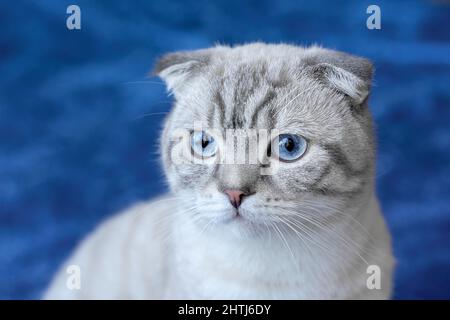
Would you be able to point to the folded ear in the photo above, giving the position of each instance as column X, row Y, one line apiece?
column 177, row 68
column 348, row 74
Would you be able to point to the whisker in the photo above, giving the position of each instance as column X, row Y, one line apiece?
column 150, row 114
column 287, row 245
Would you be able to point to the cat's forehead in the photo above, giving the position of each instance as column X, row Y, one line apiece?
column 253, row 94
column 247, row 93
column 265, row 86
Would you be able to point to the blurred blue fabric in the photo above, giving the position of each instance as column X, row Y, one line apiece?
column 79, row 120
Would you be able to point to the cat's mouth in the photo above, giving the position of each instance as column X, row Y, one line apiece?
column 236, row 215
column 239, row 216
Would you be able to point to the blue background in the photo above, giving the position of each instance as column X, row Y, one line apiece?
column 79, row 120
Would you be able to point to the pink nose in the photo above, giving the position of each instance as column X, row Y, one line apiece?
column 235, row 197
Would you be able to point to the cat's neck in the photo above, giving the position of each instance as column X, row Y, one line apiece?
column 344, row 242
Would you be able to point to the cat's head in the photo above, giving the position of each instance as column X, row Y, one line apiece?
column 300, row 112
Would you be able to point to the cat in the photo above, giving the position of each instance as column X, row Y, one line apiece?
column 300, row 222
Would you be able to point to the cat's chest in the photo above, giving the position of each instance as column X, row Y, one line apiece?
column 205, row 285
column 215, row 268
column 203, row 278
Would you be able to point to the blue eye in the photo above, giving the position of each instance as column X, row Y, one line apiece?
column 291, row 147
column 202, row 144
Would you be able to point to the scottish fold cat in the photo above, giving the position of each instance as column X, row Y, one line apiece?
column 269, row 153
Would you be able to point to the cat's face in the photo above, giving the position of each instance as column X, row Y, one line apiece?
column 266, row 135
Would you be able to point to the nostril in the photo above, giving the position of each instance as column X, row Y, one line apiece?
column 235, row 197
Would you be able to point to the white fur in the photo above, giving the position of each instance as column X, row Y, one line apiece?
column 144, row 253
